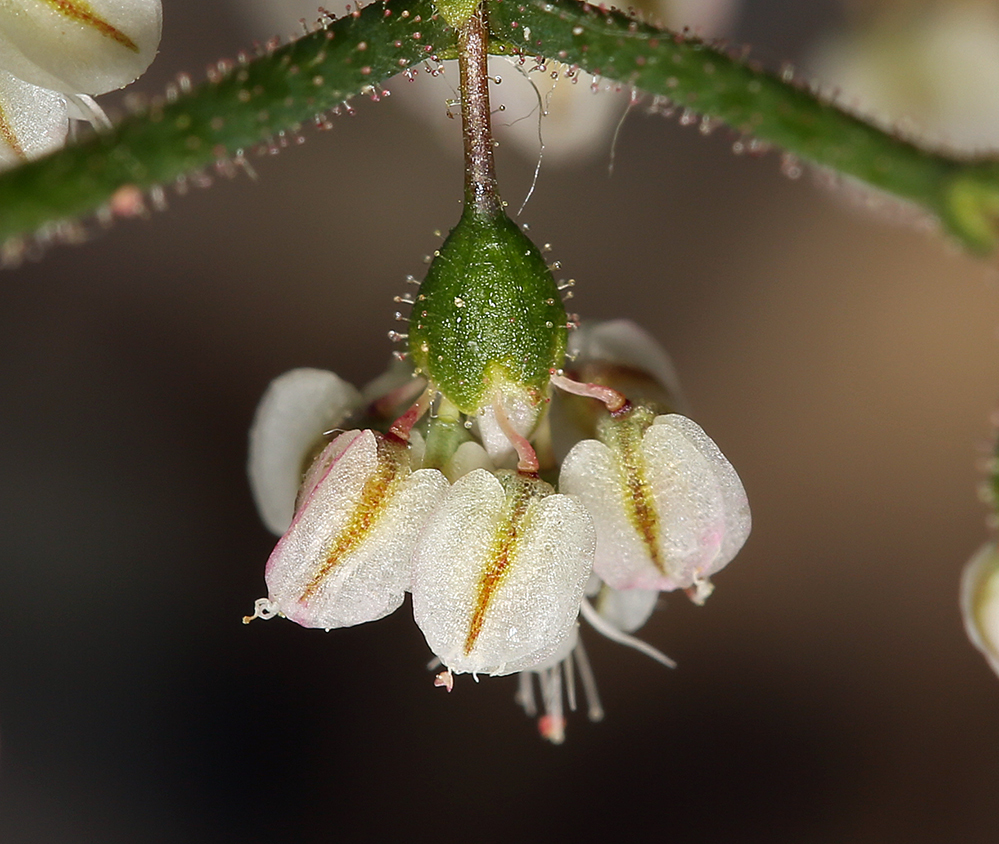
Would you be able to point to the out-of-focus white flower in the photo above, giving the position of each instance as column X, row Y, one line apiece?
column 576, row 123
column 54, row 54
column 928, row 67
column 980, row 602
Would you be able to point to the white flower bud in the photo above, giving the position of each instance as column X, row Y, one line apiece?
column 499, row 573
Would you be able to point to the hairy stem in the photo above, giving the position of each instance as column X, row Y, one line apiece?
column 962, row 192
column 481, row 192
column 252, row 103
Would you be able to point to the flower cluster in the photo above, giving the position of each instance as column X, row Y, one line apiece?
column 460, row 509
column 54, row 54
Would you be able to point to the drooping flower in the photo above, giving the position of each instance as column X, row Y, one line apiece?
column 346, row 557
column 55, row 55
column 499, row 573
column 670, row 510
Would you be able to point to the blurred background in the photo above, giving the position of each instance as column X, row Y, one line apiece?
column 845, row 363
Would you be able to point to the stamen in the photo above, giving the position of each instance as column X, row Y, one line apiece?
column 615, row 402
column 262, row 608
column 594, row 709
column 404, row 424
column 527, row 462
column 611, row 632
column 445, row 679
column 551, row 725
column 525, row 694
column 570, row 682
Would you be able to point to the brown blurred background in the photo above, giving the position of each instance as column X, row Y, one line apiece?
column 845, row 364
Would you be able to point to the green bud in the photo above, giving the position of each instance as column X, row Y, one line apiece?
column 488, row 314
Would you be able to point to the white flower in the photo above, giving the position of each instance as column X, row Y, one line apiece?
column 499, row 573
column 500, row 565
column 55, row 53
column 346, row 557
column 980, row 602
column 668, row 507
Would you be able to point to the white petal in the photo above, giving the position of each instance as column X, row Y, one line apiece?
column 33, row 120
column 980, row 602
column 497, row 579
column 346, row 558
column 79, row 46
column 711, row 492
column 468, row 456
column 523, row 411
column 683, row 522
column 591, row 473
column 295, row 411
column 624, row 343
column 626, row 609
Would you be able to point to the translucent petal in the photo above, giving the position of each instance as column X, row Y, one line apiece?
column 468, row 456
column 624, row 343
column 79, row 46
column 980, row 602
column 346, row 558
column 295, row 411
column 522, row 412
column 499, row 574
column 626, row 609
column 33, row 120
column 698, row 518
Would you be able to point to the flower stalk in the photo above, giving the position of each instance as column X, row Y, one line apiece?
column 481, row 192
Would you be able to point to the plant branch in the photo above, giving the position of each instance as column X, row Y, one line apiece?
column 255, row 102
column 962, row 192
column 248, row 105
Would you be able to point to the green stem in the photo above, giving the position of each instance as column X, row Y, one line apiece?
column 253, row 103
column 256, row 101
column 963, row 193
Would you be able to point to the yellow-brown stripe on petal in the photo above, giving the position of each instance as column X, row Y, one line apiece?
column 82, row 12
column 393, row 468
column 9, row 136
column 502, row 553
column 624, row 438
